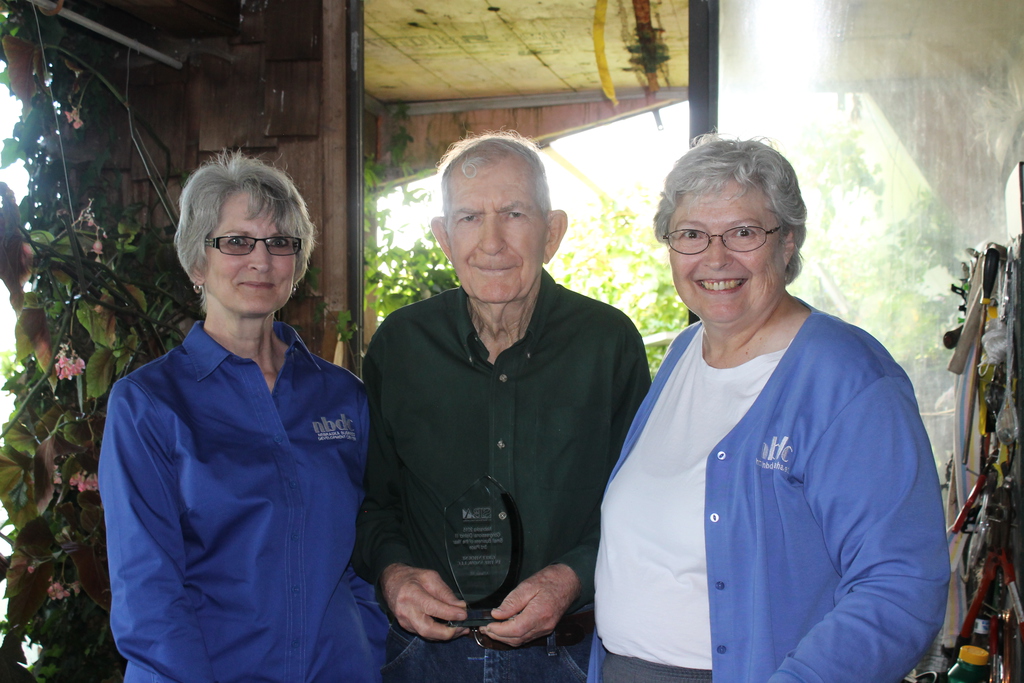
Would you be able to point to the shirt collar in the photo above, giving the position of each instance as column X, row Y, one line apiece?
column 207, row 355
column 468, row 333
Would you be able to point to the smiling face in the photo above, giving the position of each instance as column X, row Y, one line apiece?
column 253, row 286
column 731, row 291
column 496, row 237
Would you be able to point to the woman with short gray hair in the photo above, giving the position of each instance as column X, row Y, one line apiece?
column 775, row 512
column 231, row 467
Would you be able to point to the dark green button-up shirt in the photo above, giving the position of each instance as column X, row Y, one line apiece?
column 547, row 420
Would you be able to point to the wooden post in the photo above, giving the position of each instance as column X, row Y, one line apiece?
column 334, row 233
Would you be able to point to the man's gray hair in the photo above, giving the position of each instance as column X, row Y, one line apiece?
column 271, row 194
column 714, row 162
column 472, row 153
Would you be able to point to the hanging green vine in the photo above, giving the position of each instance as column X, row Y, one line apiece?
column 105, row 294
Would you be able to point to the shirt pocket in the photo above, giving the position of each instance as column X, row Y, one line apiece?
column 573, row 445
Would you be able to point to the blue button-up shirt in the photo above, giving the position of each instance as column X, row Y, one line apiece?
column 230, row 513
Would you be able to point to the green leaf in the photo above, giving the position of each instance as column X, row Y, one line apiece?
column 14, row 469
column 99, row 323
column 138, row 295
column 42, row 472
column 32, row 335
column 92, row 571
column 20, row 439
column 99, row 372
column 12, row 151
column 31, row 572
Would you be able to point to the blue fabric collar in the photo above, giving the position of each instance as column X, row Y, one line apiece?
column 206, row 354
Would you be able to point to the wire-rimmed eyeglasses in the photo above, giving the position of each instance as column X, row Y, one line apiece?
column 741, row 239
column 237, row 245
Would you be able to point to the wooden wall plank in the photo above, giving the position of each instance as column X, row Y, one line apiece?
column 186, row 18
column 293, row 98
column 232, row 101
column 296, row 29
column 301, row 158
column 162, row 107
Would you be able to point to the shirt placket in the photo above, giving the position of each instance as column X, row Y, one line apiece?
column 502, row 392
column 267, row 414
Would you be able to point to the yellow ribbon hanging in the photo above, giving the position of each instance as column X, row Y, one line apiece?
column 600, row 11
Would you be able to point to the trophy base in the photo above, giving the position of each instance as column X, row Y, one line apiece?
column 474, row 617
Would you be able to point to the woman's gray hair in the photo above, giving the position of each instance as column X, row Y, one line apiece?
column 714, row 162
column 271, row 194
column 472, row 153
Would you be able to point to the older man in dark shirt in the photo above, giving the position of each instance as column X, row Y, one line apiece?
column 510, row 376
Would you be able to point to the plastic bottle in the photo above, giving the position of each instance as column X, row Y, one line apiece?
column 981, row 630
column 971, row 667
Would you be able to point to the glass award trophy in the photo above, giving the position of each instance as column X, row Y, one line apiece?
column 483, row 537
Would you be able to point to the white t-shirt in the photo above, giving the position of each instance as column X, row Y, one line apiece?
column 651, row 580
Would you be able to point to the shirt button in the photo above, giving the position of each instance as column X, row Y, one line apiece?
column 721, row 649
column 721, row 455
column 714, row 516
column 278, row 438
column 292, row 483
column 295, row 536
column 503, row 377
column 501, row 444
column 719, row 585
column 295, row 589
column 295, row 643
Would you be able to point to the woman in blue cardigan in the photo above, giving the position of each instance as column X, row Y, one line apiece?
column 775, row 515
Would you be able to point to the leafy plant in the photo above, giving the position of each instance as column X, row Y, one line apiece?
column 612, row 256
column 105, row 295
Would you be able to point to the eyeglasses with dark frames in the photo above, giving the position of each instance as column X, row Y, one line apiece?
column 237, row 245
column 740, row 239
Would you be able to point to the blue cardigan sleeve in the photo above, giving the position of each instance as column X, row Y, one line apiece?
column 151, row 616
column 873, row 488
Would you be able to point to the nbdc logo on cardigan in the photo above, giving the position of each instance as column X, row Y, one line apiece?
column 776, row 456
column 327, row 430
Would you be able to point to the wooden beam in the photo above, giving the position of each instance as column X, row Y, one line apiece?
column 333, row 237
column 432, row 134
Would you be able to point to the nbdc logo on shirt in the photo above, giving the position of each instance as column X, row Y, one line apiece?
column 328, row 430
column 776, row 456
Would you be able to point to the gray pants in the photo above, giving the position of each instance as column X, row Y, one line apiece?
column 619, row 669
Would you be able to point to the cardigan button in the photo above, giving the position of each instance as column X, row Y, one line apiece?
column 721, row 455
column 714, row 517
column 721, row 649
column 720, row 585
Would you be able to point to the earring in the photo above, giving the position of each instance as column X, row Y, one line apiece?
column 295, row 288
column 198, row 289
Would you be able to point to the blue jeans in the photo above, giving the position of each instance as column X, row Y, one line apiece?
column 410, row 659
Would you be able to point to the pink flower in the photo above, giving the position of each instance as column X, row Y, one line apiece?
column 68, row 363
column 67, row 368
column 84, row 482
column 97, row 247
column 58, row 592
column 74, row 118
column 31, row 569
column 57, row 480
